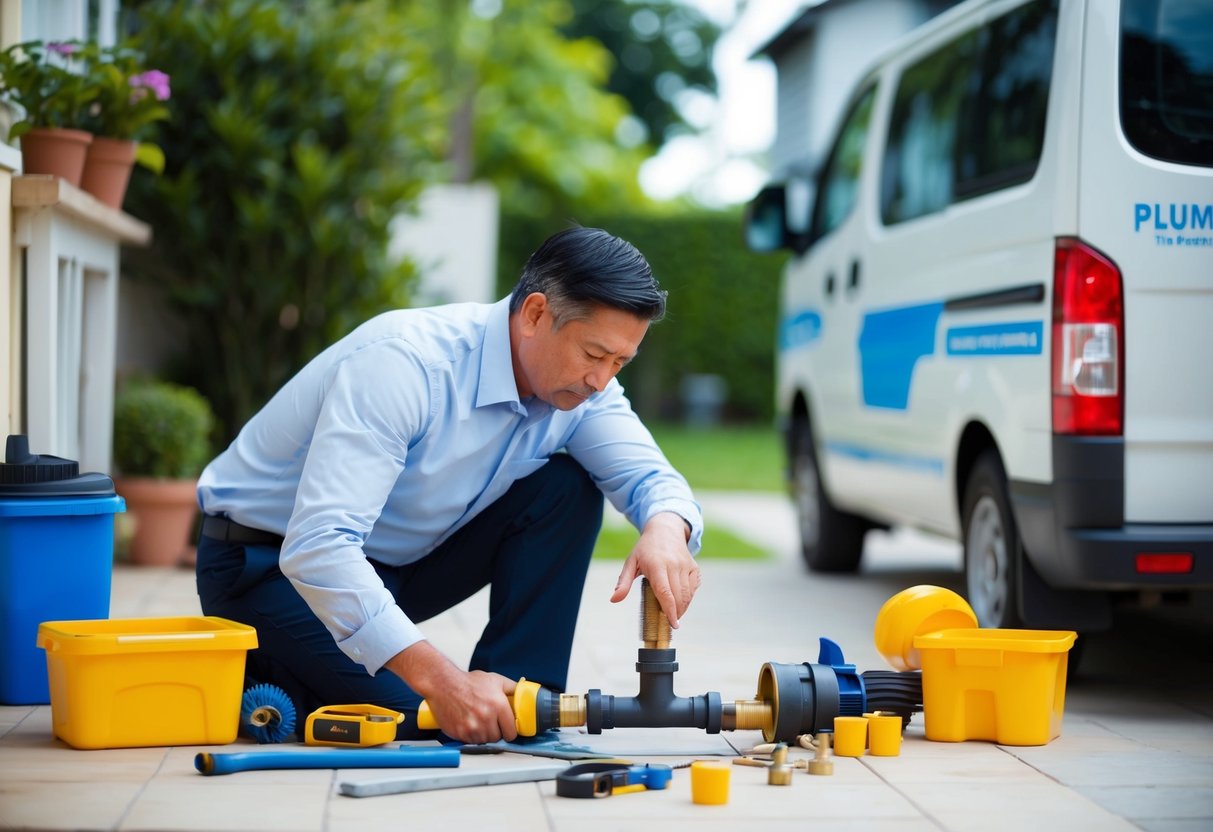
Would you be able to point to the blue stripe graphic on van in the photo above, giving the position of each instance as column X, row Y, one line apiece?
column 1017, row 338
column 866, row 454
column 890, row 344
column 799, row 329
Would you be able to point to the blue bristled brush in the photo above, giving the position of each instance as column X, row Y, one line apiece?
column 267, row 714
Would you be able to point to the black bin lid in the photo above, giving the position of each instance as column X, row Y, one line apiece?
column 23, row 474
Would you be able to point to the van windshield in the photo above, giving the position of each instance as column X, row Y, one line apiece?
column 1166, row 79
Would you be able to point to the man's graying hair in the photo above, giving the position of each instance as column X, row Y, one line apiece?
column 579, row 269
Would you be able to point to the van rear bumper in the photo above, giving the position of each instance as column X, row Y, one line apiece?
column 1074, row 532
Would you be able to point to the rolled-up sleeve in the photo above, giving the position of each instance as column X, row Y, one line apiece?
column 620, row 454
column 358, row 451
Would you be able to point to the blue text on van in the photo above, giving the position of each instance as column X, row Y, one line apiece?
column 1174, row 216
column 1020, row 338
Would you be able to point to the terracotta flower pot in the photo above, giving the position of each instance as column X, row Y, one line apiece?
column 164, row 513
column 57, row 151
column 107, row 169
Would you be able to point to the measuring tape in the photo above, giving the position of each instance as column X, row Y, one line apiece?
column 351, row 725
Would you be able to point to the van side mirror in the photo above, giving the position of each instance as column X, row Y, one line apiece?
column 778, row 217
column 766, row 227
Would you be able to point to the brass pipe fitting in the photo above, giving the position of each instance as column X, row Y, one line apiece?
column 654, row 626
column 748, row 715
column 821, row 763
column 572, row 710
column 780, row 773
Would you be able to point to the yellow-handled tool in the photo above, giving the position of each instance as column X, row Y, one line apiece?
column 351, row 725
column 524, row 704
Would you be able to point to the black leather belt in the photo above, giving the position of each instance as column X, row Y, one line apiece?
column 229, row 531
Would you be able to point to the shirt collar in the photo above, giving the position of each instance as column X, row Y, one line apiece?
column 497, row 383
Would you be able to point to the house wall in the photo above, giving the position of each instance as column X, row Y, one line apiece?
column 67, row 20
column 817, row 73
column 60, row 271
column 10, row 308
column 453, row 240
column 10, row 299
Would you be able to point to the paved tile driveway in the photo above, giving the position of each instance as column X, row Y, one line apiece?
column 1136, row 749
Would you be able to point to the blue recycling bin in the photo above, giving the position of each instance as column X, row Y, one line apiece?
column 56, row 559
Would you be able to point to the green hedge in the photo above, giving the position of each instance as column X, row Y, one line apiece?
column 722, row 311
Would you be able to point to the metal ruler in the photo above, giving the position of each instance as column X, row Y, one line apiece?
column 453, row 780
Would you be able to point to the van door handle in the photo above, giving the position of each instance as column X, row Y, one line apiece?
column 830, row 285
column 853, row 279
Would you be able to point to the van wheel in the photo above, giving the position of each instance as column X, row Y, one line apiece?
column 830, row 540
column 991, row 545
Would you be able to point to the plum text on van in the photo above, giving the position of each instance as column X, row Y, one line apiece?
column 1177, row 217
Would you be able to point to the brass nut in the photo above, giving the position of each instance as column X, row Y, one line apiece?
column 779, row 776
column 821, row 766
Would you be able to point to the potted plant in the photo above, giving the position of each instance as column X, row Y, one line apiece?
column 129, row 99
column 161, row 444
column 50, row 86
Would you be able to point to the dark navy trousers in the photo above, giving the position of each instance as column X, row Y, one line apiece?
column 532, row 547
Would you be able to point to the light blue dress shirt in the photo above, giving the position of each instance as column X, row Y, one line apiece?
column 396, row 436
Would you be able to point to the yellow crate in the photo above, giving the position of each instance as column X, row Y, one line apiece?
column 120, row 683
column 1008, row 686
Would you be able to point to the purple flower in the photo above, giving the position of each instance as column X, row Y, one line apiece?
column 62, row 48
column 154, row 80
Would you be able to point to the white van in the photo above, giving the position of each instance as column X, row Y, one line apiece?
column 998, row 322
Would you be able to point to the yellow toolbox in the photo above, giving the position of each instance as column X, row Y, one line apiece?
column 120, row 683
column 1008, row 686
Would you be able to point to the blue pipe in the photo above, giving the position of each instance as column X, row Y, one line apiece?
column 403, row 757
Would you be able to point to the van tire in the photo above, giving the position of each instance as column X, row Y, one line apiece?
column 992, row 549
column 830, row 540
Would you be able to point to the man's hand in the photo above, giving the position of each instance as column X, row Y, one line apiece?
column 662, row 556
column 472, row 707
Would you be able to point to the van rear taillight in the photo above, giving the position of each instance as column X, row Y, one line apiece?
column 1164, row 563
column 1088, row 342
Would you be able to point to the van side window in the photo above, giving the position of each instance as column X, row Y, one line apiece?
column 916, row 176
column 969, row 118
column 839, row 182
column 1166, row 79
column 1002, row 136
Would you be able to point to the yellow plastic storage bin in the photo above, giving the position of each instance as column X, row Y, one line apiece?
column 1008, row 686
column 120, row 683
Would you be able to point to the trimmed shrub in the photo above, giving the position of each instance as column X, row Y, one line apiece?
column 161, row 430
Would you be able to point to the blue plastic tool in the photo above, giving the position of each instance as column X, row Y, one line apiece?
column 606, row 779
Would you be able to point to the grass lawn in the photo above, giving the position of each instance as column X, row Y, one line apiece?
column 727, row 458
column 616, row 542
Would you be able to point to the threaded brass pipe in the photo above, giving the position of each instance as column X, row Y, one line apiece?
column 572, row 710
column 654, row 626
column 748, row 715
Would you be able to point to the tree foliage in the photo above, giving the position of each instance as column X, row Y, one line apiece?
column 297, row 133
column 662, row 50
column 299, row 130
column 532, row 113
